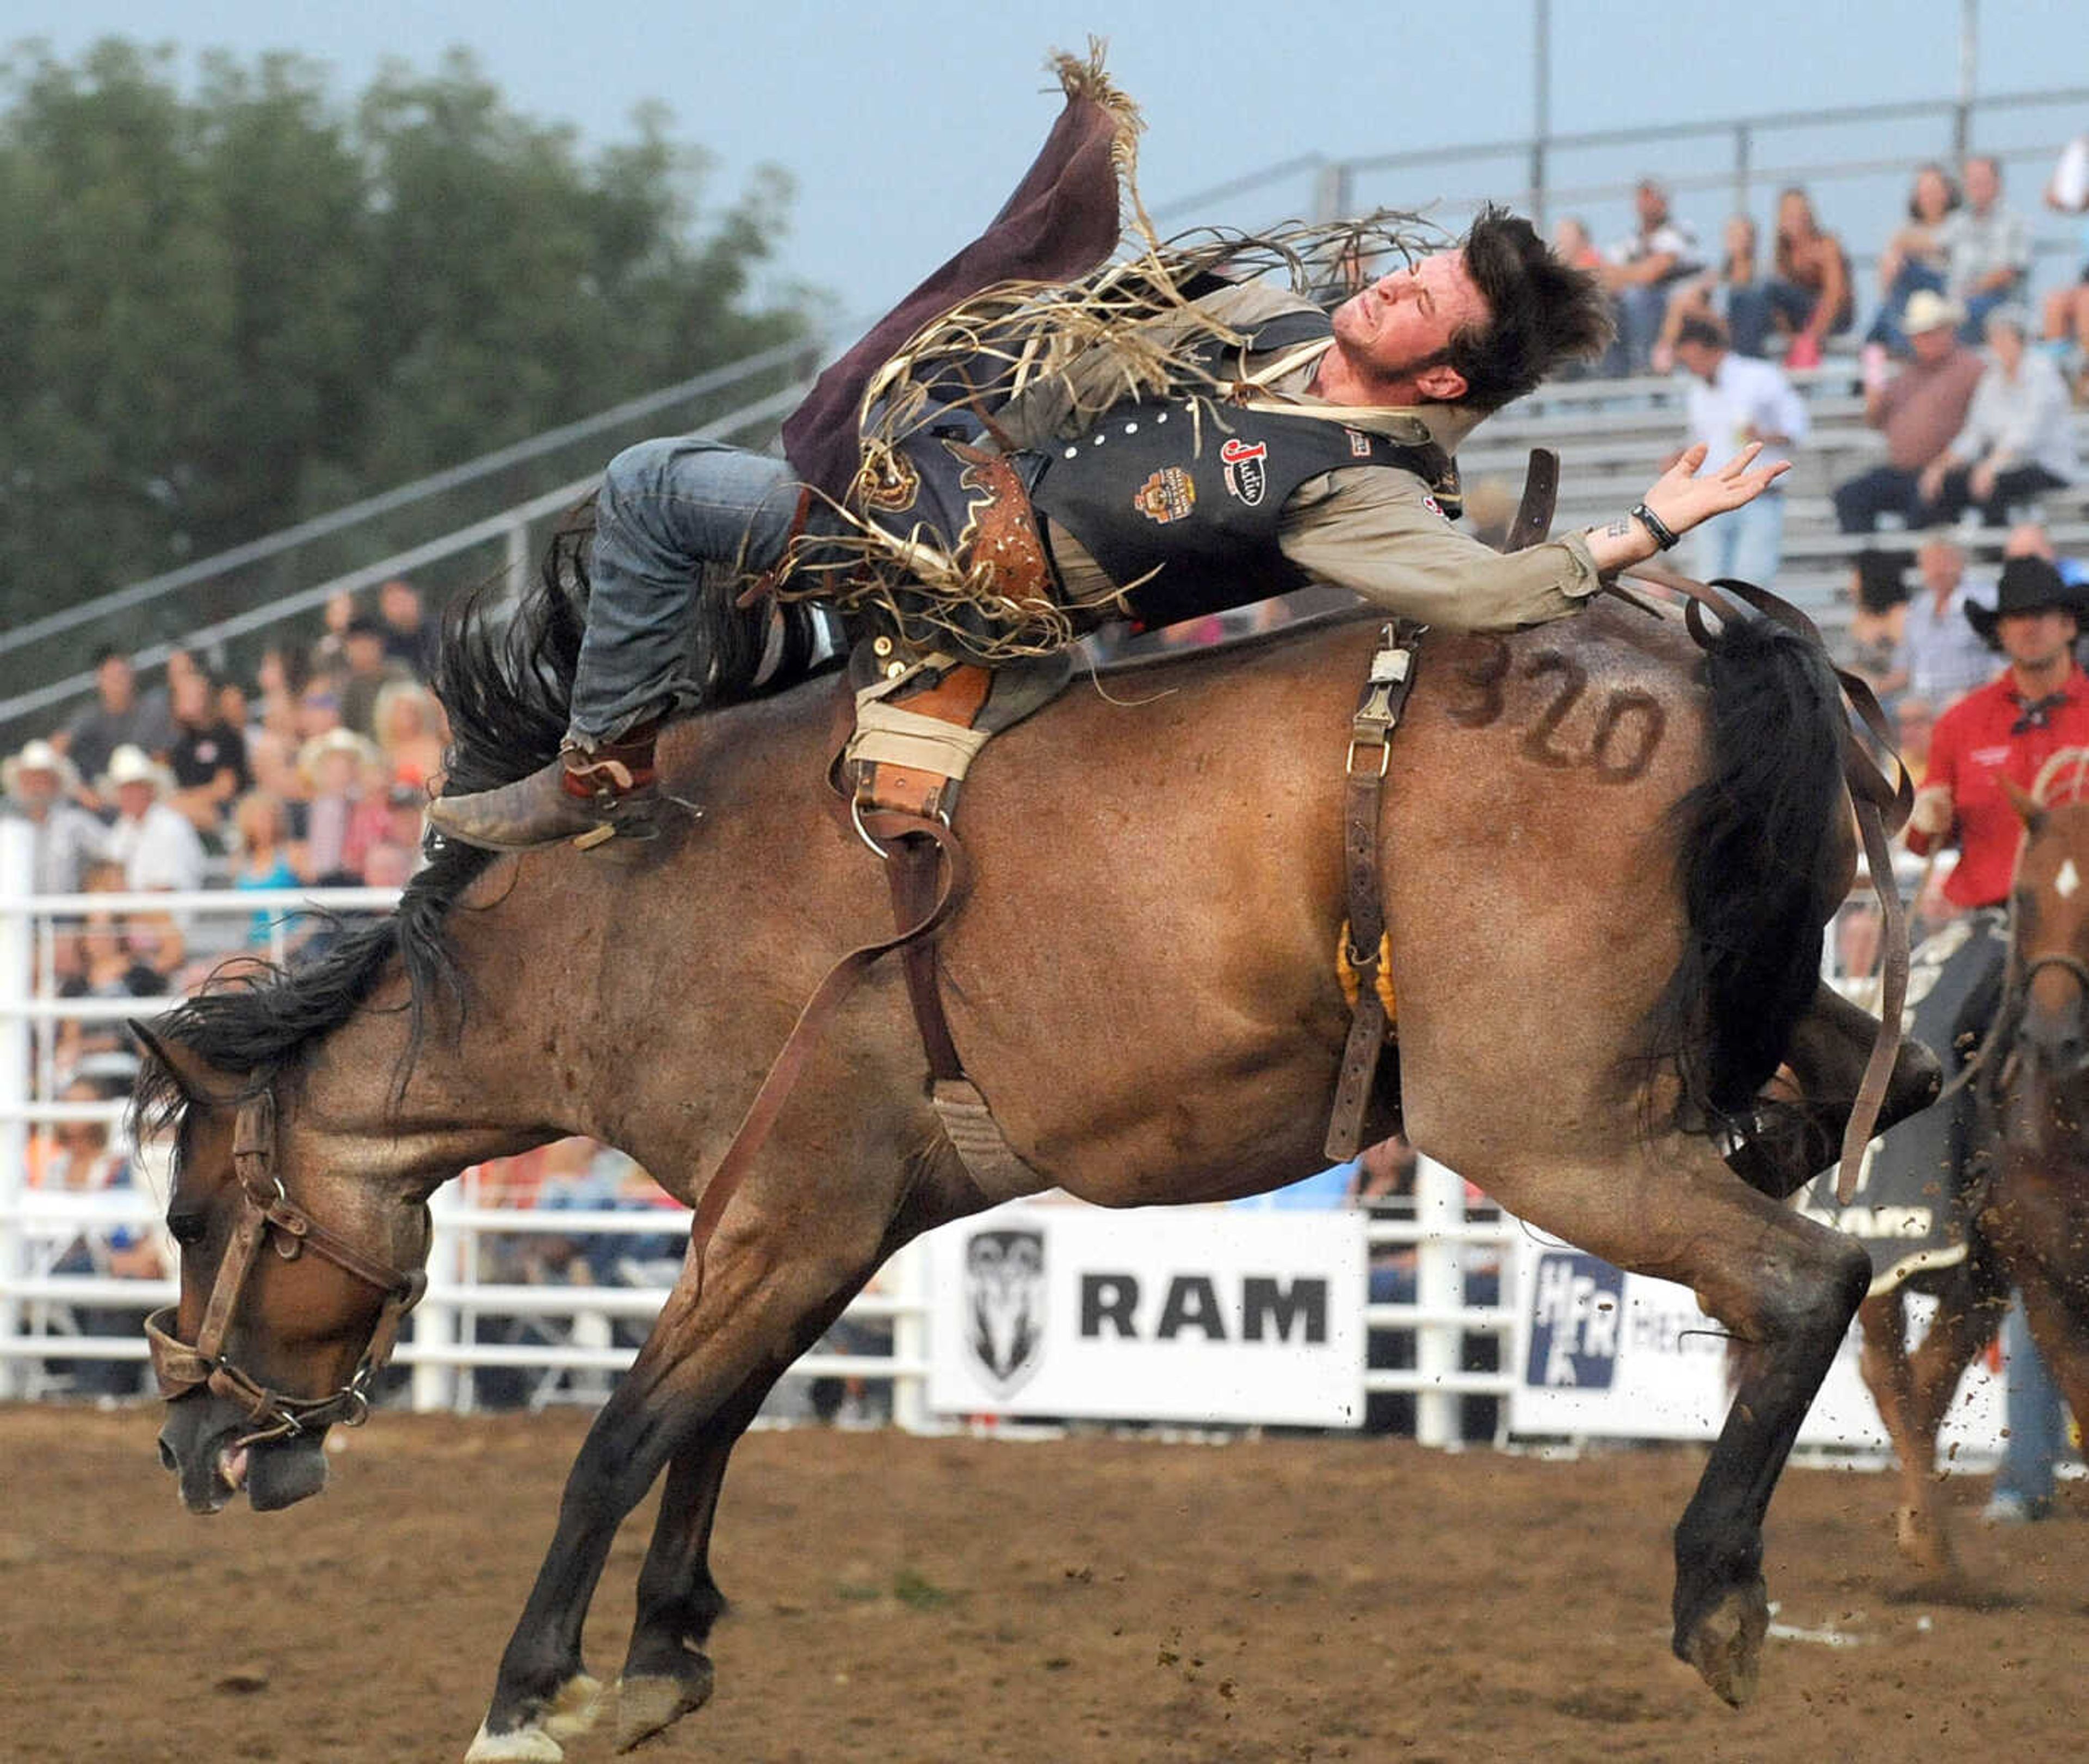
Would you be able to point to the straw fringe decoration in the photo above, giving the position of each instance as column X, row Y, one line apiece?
column 1012, row 335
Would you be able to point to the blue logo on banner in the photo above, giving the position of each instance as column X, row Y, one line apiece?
column 1574, row 1320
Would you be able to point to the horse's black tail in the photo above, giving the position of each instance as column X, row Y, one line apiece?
column 1759, row 853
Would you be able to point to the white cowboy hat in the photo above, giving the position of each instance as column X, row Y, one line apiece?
column 1929, row 310
column 39, row 756
column 131, row 764
column 334, row 741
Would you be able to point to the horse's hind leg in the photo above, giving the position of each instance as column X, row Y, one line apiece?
column 1674, row 1210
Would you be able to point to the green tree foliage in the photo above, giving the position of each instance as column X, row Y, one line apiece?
column 229, row 302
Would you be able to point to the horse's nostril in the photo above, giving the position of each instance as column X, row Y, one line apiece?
column 167, row 1458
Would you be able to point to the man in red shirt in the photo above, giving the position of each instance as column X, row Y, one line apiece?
column 2008, row 727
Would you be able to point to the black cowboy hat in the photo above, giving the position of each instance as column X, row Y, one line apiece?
column 2028, row 585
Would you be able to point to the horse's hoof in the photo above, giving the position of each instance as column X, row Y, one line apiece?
column 574, row 1708
column 1725, row 1645
column 655, row 1702
column 524, row 1745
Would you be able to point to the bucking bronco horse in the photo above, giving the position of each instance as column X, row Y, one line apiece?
column 1607, row 857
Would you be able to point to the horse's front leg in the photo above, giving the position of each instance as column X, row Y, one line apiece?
column 667, row 1674
column 705, row 1352
column 1913, row 1390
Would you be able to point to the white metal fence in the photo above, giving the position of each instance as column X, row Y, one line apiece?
column 61, row 1312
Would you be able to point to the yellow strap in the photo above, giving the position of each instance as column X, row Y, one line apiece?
column 1345, row 971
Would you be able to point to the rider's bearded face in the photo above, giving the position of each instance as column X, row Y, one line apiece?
column 2036, row 640
column 1401, row 325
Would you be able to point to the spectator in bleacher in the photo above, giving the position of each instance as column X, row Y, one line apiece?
column 1806, row 299
column 2029, row 539
column 2018, row 436
column 343, row 815
column 1942, row 655
column 411, row 635
column 207, row 758
column 41, row 785
column 100, row 962
column 408, row 726
column 1641, row 273
column 1987, row 248
column 1920, row 410
column 1734, row 400
column 261, row 833
column 1721, row 294
column 1878, row 617
column 1913, row 260
column 2067, row 309
column 80, row 1157
column 366, row 671
column 1572, row 245
column 328, row 654
column 120, row 716
column 152, row 839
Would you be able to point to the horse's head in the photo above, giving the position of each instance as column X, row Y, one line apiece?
column 294, row 1279
column 2050, row 907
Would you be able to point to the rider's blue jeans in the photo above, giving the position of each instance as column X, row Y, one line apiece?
column 668, row 508
column 2032, row 1411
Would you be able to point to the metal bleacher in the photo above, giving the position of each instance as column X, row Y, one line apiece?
column 1612, row 437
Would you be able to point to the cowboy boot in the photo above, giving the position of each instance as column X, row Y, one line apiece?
column 585, row 796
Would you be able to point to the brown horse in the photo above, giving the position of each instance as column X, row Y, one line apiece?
column 2026, row 1205
column 1608, row 856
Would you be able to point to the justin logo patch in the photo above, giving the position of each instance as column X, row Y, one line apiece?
column 1247, row 471
column 1169, row 494
column 1434, row 507
column 1359, row 443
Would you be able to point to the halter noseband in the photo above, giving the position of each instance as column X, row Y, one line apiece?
column 264, row 1206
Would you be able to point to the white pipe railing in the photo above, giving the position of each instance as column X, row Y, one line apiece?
column 440, row 1343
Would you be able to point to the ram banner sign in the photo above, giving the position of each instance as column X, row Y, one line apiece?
column 1165, row 1314
column 1601, row 1354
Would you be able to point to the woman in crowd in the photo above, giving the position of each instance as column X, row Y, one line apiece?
column 1808, row 297
column 1914, row 257
column 1727, row 293
column 261, row 835
column 409, row 728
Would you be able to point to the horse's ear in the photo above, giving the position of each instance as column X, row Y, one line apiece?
column 201, row 1086
column 2028, row 807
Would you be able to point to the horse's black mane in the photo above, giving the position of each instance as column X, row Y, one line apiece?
column 505, row 682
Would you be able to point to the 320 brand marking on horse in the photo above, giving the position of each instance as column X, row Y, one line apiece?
column 1248, row 473
column 1622, row 742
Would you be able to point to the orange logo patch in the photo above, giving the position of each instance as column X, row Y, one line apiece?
column 1169, row 494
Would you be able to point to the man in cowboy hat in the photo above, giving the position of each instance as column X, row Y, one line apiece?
column 152, row 839
column 1920, row 410
column 2007, row 728
column 41, row 785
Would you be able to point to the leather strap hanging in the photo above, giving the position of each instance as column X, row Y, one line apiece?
column 1367, row 947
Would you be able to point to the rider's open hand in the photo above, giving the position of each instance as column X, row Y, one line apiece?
column 1683, row 500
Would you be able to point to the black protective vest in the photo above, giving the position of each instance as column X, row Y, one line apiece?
column 1183, row 495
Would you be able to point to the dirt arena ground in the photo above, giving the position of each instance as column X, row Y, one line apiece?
column 899, row 1598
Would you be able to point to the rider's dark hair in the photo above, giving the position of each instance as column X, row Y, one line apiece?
column 1540, row 312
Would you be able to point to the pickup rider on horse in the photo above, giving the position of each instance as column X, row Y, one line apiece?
column 1029, row 445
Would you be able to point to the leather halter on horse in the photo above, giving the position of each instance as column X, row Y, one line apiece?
column 265, row 1208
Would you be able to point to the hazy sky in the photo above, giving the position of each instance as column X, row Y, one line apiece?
column 904, row 123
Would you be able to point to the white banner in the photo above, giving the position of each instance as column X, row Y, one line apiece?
column 1601, row 1354
column 1165, row 1314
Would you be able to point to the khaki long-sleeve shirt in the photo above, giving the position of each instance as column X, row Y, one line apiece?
column 1372, row 530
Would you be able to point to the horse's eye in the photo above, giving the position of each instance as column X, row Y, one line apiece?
column 188, row 1229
